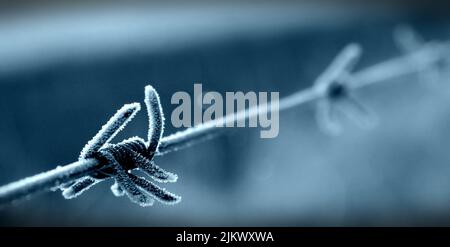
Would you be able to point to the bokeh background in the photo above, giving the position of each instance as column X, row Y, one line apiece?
column 66, row 67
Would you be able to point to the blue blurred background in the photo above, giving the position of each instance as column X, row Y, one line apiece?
column 66, row 67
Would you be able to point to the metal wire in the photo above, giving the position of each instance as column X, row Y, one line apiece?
column 381, row 72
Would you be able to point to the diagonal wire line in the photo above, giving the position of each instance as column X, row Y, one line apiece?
column 381, row 72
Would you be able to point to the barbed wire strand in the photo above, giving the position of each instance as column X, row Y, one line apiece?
column 381, row 72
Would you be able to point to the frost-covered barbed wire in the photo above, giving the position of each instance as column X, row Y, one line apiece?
column 332, row 90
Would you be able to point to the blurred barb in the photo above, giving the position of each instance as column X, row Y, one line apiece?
column 377, row 73
column 408, row 41
column 338, row 98
column 46, row 181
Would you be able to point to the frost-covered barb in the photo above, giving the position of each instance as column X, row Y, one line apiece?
column 336, row 98
column 117, row 160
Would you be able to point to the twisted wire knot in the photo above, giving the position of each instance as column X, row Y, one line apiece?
column 118, row 160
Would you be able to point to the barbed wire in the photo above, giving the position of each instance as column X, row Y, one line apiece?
column 335, row 84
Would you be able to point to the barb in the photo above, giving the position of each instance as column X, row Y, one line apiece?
column 323, row 89
column 408, row 40
column 338, row 98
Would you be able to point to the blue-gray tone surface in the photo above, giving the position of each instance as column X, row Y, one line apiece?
column 65, row 70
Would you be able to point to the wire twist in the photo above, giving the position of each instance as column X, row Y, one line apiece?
column 116, row 161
